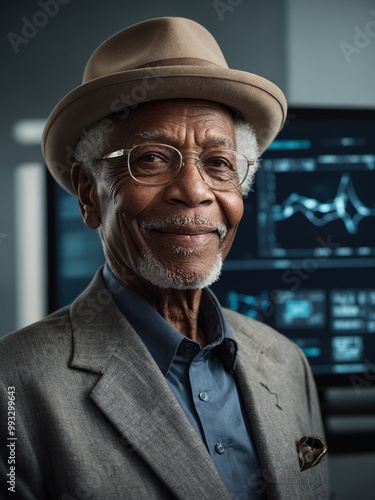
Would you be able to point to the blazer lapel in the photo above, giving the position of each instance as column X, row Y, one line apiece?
column 264, row 410
column 134, row 396
column 261, row 387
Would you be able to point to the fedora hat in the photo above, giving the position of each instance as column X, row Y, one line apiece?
column 162, row 58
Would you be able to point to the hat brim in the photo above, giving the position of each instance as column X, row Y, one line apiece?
column 258, row 101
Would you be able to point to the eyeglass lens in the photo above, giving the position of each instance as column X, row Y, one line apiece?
column 160, row 164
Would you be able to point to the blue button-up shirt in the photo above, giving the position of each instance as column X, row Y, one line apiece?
column 202, row 380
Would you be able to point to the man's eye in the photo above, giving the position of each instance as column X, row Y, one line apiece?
column 155, row 158
column 218, row 163
column 150, row 158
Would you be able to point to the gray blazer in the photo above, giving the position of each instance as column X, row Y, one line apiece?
column 95, row 418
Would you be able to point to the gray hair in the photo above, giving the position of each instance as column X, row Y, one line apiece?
column 93, row 144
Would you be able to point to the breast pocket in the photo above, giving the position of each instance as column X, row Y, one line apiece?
column 314, row 483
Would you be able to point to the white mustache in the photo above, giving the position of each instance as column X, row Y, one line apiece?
column 154, row 223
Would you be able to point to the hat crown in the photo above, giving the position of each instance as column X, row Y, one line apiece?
column 167, row 41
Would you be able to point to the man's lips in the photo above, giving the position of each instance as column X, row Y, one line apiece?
column 189, row 227
column 181, row 234
column 187, row 230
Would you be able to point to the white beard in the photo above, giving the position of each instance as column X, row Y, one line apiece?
column 152, row 270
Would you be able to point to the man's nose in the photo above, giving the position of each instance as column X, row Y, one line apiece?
column 189, row 187
column 194, row 159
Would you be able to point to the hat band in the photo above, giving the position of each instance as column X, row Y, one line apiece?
column 179, row 61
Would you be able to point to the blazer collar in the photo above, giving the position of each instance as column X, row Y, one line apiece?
column 134, row 396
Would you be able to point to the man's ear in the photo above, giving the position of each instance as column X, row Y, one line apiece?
column 86, row 195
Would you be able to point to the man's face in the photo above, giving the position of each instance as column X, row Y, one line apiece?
column 174, row 235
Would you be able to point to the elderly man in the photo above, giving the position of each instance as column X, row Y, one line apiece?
column 145, row 388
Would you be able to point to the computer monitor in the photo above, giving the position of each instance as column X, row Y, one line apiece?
column 304, row 257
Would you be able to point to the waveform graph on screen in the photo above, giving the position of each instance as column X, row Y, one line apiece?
column 326, row 202
column 345, row 206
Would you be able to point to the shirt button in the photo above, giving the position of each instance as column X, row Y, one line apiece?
column 203, row 396
column 219, row 447
column 190, row 348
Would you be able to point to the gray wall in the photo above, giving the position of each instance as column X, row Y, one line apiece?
column 331, row 52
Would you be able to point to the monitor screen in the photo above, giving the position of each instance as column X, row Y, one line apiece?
column 303, row 260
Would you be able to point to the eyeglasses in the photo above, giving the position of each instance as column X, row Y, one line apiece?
column 159, row 164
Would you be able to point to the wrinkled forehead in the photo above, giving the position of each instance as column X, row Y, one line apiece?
column 162, row 120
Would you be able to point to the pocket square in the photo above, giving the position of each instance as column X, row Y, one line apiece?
column 311, row 451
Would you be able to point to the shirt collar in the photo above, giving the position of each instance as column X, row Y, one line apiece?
column 155, row 331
